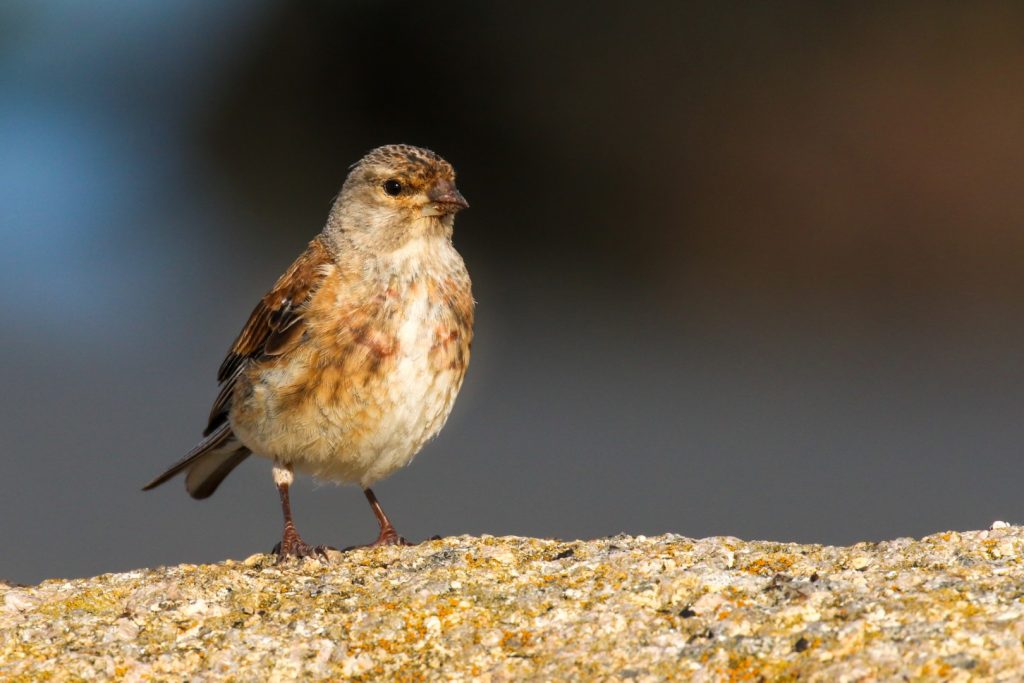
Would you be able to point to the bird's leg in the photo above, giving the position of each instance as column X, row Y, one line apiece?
column 388, row 535
column 291, row 544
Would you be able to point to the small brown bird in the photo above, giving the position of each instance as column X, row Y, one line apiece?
column 353, row 360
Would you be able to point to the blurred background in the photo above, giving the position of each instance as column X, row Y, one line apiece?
column 742, row 269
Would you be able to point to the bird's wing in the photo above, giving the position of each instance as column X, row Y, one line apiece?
column 274, row 326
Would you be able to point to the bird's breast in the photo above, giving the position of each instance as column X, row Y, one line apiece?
column 374, row 378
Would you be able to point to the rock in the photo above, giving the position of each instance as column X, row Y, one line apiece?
column 19, row 601
column 945, row 607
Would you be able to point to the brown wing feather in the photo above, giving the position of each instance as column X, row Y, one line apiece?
column 274, row 325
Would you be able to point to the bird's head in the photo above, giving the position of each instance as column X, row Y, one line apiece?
column 396, row 193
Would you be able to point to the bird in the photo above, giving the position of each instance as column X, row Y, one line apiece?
column 353, row 360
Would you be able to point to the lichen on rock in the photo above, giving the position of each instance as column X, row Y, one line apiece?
column 946, row 607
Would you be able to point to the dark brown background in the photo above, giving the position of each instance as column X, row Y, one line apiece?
column 748, row 270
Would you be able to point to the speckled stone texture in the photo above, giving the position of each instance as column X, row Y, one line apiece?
column 947, row 607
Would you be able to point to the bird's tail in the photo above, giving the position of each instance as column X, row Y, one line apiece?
column 208, row 463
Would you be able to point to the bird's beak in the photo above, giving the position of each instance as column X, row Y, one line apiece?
column 444, row 198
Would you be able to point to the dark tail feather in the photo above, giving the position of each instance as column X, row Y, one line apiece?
column 208, row 463
column 207, row 474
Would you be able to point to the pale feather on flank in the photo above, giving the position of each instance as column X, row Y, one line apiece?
column 283, row 476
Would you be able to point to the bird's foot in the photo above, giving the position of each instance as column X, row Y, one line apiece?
column 292, row 545
column 387, row 536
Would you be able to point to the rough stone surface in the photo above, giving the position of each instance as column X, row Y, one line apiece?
column 947, row 607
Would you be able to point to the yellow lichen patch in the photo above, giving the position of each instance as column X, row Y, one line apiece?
column 515, row 640
column 769, row 564
column 95, row 600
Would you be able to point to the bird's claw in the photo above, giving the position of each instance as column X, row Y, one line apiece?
column 295, row 547
column 388, row 536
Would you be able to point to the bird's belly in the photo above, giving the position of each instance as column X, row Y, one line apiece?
column 414, row 404
column 354, row 423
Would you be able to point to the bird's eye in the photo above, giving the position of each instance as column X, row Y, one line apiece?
column 392, row 187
